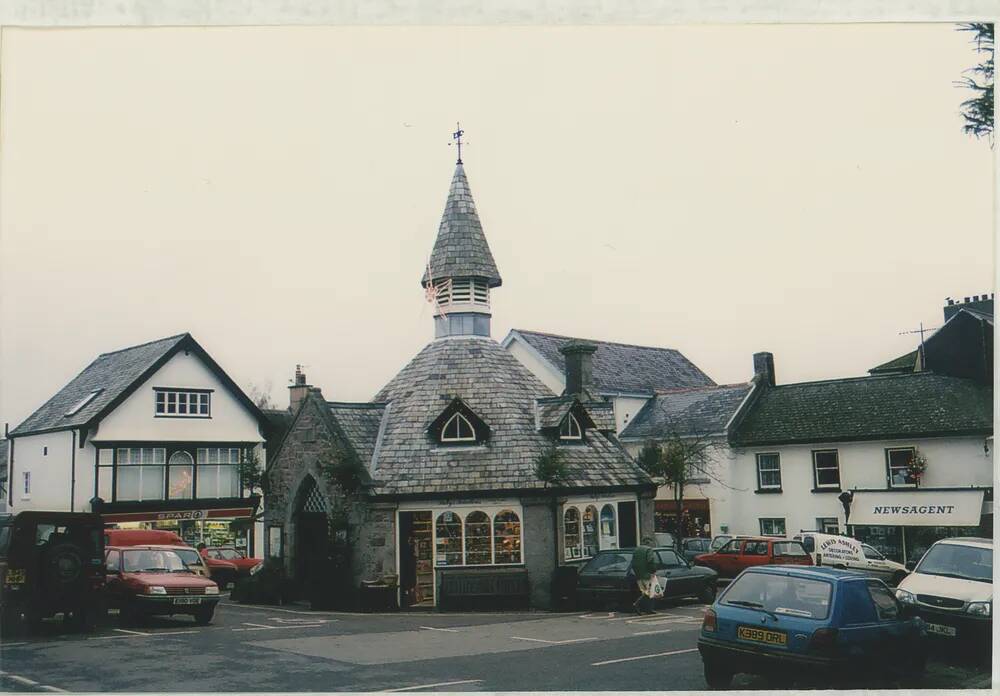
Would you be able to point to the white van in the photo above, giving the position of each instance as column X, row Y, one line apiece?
column 844, row 552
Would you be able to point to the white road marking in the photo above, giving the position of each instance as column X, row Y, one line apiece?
column 21, row 680
column 554, row 642
column 449, row 630
column 597, row 616
column 262, row 627
column 134, row 633
column 649, row 633
column 138, row 634
column 642, row 657
column 13, row 645
column 46, row 687
column 287, row 611
column 431, row 686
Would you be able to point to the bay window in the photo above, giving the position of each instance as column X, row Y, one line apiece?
column 167, row 473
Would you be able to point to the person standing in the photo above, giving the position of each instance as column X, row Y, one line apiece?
column 644, row 564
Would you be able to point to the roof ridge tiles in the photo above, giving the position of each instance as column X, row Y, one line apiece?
column 357, row 404
column 594, row 340
column 701, row 388
column 866, row 378
column 147, row 343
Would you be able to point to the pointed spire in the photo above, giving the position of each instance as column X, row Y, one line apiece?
column 461, row 250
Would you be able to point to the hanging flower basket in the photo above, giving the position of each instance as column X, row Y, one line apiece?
column 916, row 467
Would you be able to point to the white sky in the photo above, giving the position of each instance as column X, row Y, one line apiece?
column 721, row 190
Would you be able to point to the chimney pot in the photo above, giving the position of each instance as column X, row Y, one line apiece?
column 579, row 366
column 297, row 390
column 763, row 366
column 966, row 299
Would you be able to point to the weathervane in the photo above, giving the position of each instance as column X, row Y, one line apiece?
column 457, row 137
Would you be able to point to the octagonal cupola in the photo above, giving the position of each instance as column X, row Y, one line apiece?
column 461, row 271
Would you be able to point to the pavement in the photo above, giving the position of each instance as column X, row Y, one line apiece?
column 252, row 648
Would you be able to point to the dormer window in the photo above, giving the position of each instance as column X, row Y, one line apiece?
column 458, row 429
column 570, row 428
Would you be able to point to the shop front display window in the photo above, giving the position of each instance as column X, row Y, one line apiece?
column 589, row 531
column 609, row 530
column 506, row 537
column 448, row 530
column 478, row 539
column 571, row 533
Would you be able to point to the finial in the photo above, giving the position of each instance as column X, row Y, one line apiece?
column 457, row 136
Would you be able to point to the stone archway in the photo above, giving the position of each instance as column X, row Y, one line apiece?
column 311, row 545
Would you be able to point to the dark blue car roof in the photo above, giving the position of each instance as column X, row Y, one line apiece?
column 813, row 572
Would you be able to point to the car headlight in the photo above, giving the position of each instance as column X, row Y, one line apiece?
column 156, row 589
column 905, row 597
column 212, row 589
column 980, row 608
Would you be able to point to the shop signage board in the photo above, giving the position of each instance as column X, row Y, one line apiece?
column 916, row 508
column 164, row 515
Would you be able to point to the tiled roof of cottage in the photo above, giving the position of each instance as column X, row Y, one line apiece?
column 360, row 423
column 904, row 363
column 552, row 411
column 687, row 412
column 113, row 373
column 621, row 367
column 880, row 407
column 503, row 392
column 461, row 249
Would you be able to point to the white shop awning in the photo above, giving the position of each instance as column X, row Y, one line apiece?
column 936, row 508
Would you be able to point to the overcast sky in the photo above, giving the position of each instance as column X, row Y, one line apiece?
column 276, row 192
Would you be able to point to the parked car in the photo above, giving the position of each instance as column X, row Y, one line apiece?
column 137, row 537
column 738, row 554
column 694, row 546
column 190, row 557
column 839, row 551
column 951, row 588
column 152, row 580
column 50, row 563
column 608, row 579
column 222, row 572
column 720, row 540
column 665, row 540
column 233, row 555
column 809, row 623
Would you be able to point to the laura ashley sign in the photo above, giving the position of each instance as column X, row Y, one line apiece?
column 918, row 508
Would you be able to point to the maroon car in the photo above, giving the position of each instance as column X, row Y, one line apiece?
column 147, row 580
column 231, row 555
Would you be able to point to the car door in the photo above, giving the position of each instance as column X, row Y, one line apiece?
column 674, row 571
column 726, row 559
column 114, row 585
column 754, row 553
column 896, row 633
column 876, row 564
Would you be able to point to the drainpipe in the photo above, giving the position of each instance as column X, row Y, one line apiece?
column 10, row 471
column 72, row 473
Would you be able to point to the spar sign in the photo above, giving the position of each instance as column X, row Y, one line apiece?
column 955, row 508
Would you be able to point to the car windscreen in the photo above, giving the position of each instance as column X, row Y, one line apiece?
column 789, row 548
column 615, row 562
column 188, row 556
column 958, row 561
column 718, row 542
column 229, row 554
column 152, row 561
column 780, row 594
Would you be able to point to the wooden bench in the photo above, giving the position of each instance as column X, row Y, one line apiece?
column 482, row 588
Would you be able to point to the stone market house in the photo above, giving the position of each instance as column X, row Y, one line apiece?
column 441, row 486
column 149, row 436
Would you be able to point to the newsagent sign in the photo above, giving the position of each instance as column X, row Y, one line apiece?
column 961, row 508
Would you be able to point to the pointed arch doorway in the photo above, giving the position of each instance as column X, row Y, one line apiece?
column 312, row 535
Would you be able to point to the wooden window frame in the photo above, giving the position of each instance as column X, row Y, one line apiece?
column 817, row 486
column 888, row 466
column 760, row 483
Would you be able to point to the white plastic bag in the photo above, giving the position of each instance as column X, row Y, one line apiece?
column 657, row 586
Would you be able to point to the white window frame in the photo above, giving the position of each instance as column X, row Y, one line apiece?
column 888, row 465
column 566, row 428
column 164, row 398
column 581, row 504
column 461, row 419
column 141, row 468
column 760, row 479
column 492, row 510
column 817, row 468
column 772, row 520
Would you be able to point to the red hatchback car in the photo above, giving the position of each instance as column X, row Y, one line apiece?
column 738, row 554
column 230, row 554
column 149, row 580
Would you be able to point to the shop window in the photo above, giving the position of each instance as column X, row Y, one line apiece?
column 140, row 473
column 570, row 428
column 898, row 464
column 769, row 472
column 448, row 530
column 507, row 537
column 478, row 539
column 571, row 533
column 458, row 429
column 589, row 531
column 826, row 469
column 772, row 526
column 218, row 472
column 180, row 476
column 609, row 529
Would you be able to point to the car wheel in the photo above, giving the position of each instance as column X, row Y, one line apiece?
column 717, row 677
column 203, row 616
column 707, row 594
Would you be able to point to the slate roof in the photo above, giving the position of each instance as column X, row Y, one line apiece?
column 360, row 423
column 461, row 249
column 621, row 367
column 495, row 385
column 113, row 373
column 921, row 404
column 904, row 363
column 687, row 412
column 551, row 412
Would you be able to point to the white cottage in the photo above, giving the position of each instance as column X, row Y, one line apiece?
column 148, row 436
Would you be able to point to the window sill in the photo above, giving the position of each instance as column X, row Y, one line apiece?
column 827, row 490
column 768, row 490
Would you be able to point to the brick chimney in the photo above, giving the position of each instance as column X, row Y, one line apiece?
column 763, row 368
column 979, row 303
column 298, row 390
column 579, row 367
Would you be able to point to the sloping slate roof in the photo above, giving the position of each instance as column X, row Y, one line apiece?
column 868, row 408
column 620, row 367
column 687, row 412
column 904, row 363
column 360, row 423
column 461, row 248
column 602, row 413
column 552, row 411
column 495, row 385
column 112, row 372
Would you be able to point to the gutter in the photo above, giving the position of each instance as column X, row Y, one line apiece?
column 10, row 472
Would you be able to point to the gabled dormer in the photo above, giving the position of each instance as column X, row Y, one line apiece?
column 566, row 419
column 458, row 425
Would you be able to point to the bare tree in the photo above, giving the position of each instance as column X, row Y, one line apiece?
column 261, row 396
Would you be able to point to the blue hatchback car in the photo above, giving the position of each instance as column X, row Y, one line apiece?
column 791, row 622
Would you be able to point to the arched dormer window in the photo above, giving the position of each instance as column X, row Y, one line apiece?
column 570, row 428
column 458, row 429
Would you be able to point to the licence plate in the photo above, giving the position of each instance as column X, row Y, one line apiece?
column 760, row 635
column 14, row 576
column 941, row 630
column 187, row 600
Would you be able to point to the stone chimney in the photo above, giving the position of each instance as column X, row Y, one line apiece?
column 579, row 367
column 298, row 390
column 763, row 368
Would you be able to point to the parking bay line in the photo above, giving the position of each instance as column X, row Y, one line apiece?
column 431, row 686
column 650, row 633
column 24, row 681
column 555, row 642
column 643, row 657
column 139, row 634
column 449, row 630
